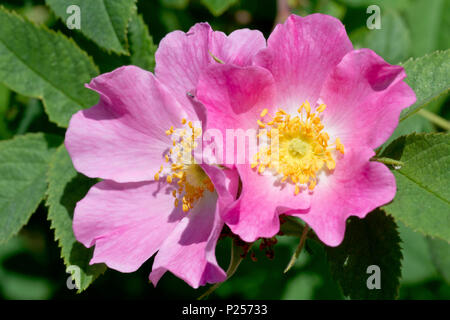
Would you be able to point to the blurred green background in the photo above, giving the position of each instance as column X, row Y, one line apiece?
column 30, row 263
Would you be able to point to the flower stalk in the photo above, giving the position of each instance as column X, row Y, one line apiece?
column 235, row 261
column 388, row 161
column 439, row 121
column 298, row 250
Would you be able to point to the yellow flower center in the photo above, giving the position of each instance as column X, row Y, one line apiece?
column 299, row 147
column 189, row 177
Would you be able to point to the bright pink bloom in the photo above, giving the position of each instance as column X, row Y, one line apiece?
column 140, row 209
column 331, row 105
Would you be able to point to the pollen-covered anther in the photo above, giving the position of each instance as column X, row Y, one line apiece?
column 303, row 148
column 189, row 179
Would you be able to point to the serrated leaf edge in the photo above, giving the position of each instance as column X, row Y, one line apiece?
column 52, row 226
column 55, row 33
column 437, row 52
column 125, row 46
column 384, row 206
column 15, row 138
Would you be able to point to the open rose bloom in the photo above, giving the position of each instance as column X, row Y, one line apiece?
column 151, row 200
column 327, row 105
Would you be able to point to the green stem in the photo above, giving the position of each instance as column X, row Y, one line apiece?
column 388, row 161
column 210, row 290
column 298, row 250
column 437, row 120
column 235, row 261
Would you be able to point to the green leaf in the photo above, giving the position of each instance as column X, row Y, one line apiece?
column 103, row 21
column 141, row 44
column 16, row 286
column 422, row 201
column 40, row 63
column 177, row 4
column 436, row 105
column 424, row 18
column 384, row 4
column 417, row 266
column 444, row 37
column 392, row 41
column 5, row 95
column 291, row 226
column 428, row 77
column 23, row 163
column 66, row 188
column 332, row 8
column 302, row 287
column 414, row 124
column 440, row 253
column 217, row 7
column 371, row 241
column 20, row 284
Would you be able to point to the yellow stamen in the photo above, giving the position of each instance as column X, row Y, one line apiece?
column 339, row 146
column 261, row 124
column 191, row 180
column 307, row 106
column 302, row 147
column 321, row 108
column 331, row 164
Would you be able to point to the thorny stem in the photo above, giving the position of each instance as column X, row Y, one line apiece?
column 299, row 249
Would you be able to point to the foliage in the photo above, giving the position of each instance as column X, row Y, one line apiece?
column 23, row 163
column 65, row 189
column 373, row 241
column 55, row 68
column 423, row 182
column 44, row 67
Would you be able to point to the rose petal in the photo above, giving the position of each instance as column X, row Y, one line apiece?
column 123, row 138
column 364, row 97
column 127, row 222
column 300, row 54
column 189, row 251
column 256, row 213
column 182, row 57
column 356, row 187
column 234, row 98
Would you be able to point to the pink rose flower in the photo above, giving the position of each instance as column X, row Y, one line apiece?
column 150, row 200
column 329, row 106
